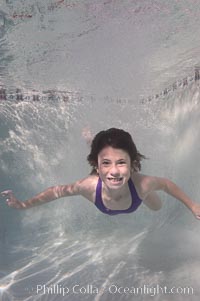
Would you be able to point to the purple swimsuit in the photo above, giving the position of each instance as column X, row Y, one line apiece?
column 136, row 201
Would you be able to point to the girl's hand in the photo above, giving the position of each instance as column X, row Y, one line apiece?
column 87, row 135
column 11, row 200
column 196, row 210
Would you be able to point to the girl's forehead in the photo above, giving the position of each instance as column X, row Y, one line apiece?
column 110, row 152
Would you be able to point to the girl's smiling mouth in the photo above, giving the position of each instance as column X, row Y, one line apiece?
column 112, row 179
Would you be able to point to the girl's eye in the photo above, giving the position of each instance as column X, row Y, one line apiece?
column 106, row 163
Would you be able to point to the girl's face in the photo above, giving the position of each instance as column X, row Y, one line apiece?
column 114, row 167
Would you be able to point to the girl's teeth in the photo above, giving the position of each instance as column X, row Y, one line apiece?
column 115, row 179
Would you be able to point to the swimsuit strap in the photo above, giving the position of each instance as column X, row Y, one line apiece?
column 136, row 201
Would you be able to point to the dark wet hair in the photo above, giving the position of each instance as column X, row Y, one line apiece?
column 116, row 138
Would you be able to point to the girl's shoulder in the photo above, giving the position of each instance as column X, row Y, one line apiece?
column 140, row 178
column 146, row 184
column 87, row 186
column 142, row 182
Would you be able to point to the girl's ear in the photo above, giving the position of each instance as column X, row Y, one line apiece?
column 134, row 166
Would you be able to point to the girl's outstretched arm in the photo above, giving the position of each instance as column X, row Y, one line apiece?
column 48, row 195
column 172, row 189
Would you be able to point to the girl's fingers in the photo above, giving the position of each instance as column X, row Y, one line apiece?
column 6, row 192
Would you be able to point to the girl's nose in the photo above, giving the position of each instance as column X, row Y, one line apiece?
column 114, row 170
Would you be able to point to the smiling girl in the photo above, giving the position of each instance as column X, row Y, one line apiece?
column 115, row 185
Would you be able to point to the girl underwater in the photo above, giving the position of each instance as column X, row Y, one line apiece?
column 115, row 184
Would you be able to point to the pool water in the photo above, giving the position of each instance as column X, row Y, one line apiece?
column 70, row 65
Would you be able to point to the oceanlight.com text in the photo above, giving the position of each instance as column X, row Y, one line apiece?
column 114, row 289
column 151, row 290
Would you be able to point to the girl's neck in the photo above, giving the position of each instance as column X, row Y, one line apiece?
column 115, row 194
